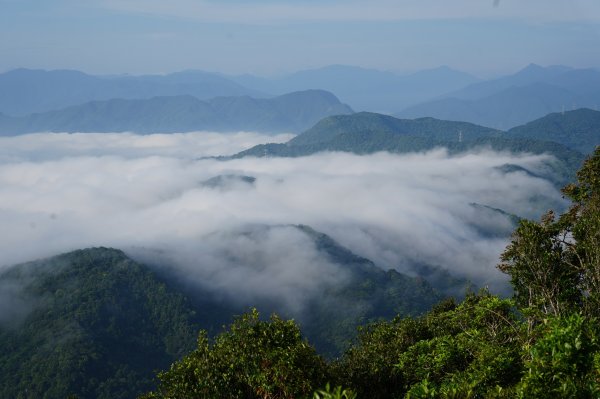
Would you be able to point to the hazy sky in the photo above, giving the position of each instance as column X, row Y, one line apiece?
column 484, row 37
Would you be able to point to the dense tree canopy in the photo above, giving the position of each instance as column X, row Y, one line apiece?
column 542, row 343
column 254, row 359
column 554, row 265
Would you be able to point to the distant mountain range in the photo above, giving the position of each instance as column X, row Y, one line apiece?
column 566, row 136
column 441, row 93
column 532, row 73
column 366, row 89
column 97, row 324
column 26, row 91
column 293, row 112
column 516, row 99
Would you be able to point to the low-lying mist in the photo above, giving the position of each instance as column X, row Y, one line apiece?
column 154, row 194
column 46, row 146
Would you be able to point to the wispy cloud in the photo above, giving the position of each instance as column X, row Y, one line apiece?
column 379, row 10
column 269, row 37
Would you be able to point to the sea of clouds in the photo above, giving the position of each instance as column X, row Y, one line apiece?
column 148, row 196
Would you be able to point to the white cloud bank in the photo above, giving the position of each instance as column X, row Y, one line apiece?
column 63, row 192
column 45, row 146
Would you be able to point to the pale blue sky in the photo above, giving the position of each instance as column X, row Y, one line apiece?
column 484, row 37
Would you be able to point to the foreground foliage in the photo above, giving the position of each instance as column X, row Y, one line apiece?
column 254, row 359
column 543, row 343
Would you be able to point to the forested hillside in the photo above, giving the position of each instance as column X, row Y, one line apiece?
column 92, row 323
column 367, row 122
column 367, row 133
column 544, row 342
column 577, row 129
column 97, row 324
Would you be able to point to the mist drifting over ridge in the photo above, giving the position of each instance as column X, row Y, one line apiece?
column 148, row 195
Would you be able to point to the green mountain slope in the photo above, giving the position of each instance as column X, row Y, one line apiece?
column 369, row 295
column 97, row 324
column 362, row 292
column 371, row 123
column 578, row 129
column 366, row 133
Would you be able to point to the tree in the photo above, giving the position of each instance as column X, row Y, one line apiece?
column 540, row 265
column 453, row 351
column 584, row 220
column 254, row 359
column 564, row 362
column 554, row 265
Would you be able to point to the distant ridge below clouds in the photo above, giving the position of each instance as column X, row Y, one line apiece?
column 512, row 100
column 293, row 112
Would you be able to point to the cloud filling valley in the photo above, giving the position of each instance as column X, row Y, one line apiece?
column 156, row 197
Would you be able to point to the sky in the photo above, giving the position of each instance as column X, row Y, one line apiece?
column 268, row 37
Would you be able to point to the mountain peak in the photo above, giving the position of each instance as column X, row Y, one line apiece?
column 312, row 93
column 531, row 69
column 535, row 70
column 533, row 65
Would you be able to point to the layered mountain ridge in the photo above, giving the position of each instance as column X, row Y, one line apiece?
column 513, row 100
column 293, row 112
